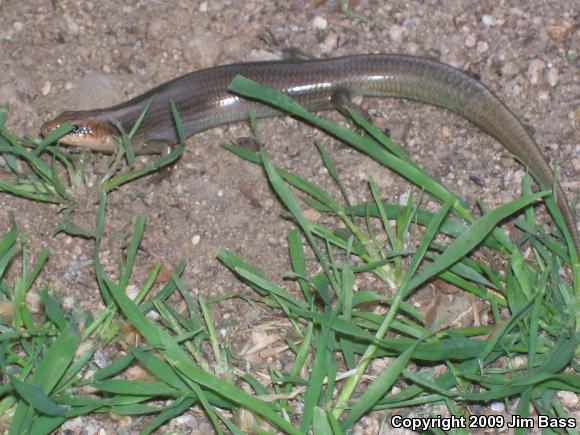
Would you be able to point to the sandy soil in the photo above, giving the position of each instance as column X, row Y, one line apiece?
column 69, row 54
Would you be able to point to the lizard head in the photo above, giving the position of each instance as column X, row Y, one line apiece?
column 89, row 131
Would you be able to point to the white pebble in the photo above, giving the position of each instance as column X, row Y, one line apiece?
column 187, row 420
column 203, row 7
column 68, row 303
column 72, row 26
column 396, row 33
column 17, row 26
column 404, row 199
column 46, row 87
column 535, row 70
column 153, row 315
column 201, row 51
column 470, row 40
column 553, row 76
column 195, row 239
column 319, row 23
column 497, row 407
column 543, row 94
column 569, row 399
column 132, row 292
column 330, row 43
column 482, row 47
column 488, row 20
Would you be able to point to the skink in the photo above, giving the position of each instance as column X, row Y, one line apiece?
column 203, row 102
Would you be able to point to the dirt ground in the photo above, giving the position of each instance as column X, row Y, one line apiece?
column 67, row 54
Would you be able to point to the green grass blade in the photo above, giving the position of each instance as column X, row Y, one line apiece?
column 316, row 380
column 472, row 238
column 177, row 357
column 378, row 388
column 36, row 398
column 177, row 407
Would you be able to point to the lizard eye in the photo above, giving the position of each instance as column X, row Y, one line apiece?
column 79, row 129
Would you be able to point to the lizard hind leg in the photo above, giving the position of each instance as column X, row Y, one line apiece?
column 342, row 102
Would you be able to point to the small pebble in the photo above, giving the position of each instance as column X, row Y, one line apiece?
column 186, row 420
column 482, row 47
column 488, row 20
column 71, row 24
column 558, row 28
column 9, row 94
column 205, row 428
column 553, row 76
column 568, row 399
column 543, row 94
column 202, row 52
column 471, row 40
column 535, row 71
column 77, row 425
column 17, row 26
column 312, row 215
column 68, row 303
column 203, row 7
column 195, row 239
column 412, row 48
column 156, row 27
column 380, row 364
column 46, row 87
column 396, row 33
column 497, row 407
column 319, row 23
column 132, row 291
column 509, row 69
column 153, row 315
column 101, row 358
column 576, row 165
column 330, row 43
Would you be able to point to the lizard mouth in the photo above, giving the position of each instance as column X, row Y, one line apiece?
column 94, row 134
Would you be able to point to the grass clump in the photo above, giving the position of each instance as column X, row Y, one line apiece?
column 526, row 352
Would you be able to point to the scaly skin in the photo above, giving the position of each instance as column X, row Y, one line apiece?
column 203, row 102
